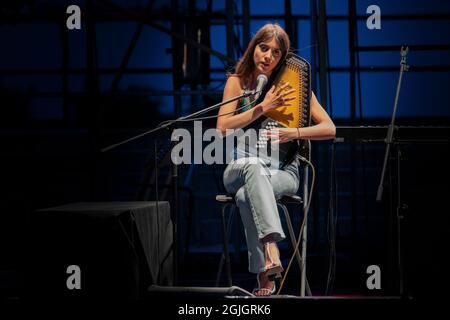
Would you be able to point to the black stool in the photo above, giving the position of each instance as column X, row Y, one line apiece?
column 229, row 201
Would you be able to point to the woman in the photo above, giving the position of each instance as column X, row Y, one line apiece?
column 256, row 193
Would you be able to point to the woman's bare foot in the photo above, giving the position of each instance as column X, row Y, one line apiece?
column 272, row 258
column 266, row 287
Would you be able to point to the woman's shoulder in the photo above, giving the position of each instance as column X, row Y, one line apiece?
column 234, row 82
column 234, row 79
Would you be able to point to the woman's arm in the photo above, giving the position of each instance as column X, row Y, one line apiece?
column 228, row 120
column 322, row 129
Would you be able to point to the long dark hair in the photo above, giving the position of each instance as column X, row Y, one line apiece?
column 245, row 66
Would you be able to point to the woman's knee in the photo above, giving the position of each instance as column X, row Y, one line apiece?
column 253, row 169
column 240, row 196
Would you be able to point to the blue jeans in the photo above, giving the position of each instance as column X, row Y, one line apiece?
column 256, row 189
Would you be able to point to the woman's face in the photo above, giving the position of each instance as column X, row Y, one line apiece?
column 266, row 56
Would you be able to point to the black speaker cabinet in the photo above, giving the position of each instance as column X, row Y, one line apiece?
column 100, row 250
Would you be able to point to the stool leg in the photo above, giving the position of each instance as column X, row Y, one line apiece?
column 292, row 235
column 219, row 271
column 304, row 282
column 301, row 259
column 305, row 285
column 222, row 256
column 226, row 254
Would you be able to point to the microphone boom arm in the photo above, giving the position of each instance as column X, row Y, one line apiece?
column 171, row 122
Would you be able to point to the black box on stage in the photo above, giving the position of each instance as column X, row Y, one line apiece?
column 100, row 250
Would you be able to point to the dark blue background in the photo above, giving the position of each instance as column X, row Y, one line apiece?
column 50, row 135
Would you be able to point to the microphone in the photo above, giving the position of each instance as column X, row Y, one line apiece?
column 261, row 80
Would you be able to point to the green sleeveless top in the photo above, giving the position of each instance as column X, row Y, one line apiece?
column 246, row 102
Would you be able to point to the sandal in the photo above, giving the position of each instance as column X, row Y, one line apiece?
column 265, row 291
column 275, row 266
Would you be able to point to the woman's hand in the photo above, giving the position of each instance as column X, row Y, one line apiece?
column 282, row 135
column 276, row 98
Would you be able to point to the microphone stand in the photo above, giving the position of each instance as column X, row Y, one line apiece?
column 174, row 171
column 389, row 141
